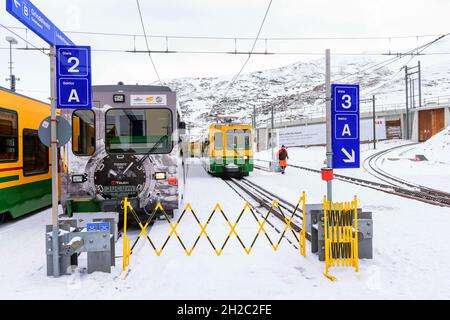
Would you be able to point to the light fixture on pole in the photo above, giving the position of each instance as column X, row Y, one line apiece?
column 12, row 77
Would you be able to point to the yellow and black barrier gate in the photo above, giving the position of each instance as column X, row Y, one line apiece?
column 300, row 238
column 341, row 235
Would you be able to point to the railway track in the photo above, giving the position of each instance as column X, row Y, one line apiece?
column 372, row 167
column 264, row 199
column 419, row 193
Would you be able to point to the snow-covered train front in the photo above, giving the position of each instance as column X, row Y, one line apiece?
column 128, row 145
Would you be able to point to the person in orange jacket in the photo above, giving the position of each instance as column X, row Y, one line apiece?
column 282, row 158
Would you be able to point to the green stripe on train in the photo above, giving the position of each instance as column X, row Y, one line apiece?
column 216, row 166
column 25, row 198
column 9, row 179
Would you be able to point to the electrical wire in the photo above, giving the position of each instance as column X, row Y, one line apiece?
column 19, row 36
column 299, row 38
column 251, row 51
column 146, row 42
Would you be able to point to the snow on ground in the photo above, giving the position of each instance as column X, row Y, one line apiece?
column 434, row 173
column 409, row 257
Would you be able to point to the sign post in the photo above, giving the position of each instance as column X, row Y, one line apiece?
column 346, row 126
column 329, row 120
column 28, row 14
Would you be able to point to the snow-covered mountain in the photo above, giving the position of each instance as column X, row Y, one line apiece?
column 297, row 90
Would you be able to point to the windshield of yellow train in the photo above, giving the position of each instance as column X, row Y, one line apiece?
column 239, row 139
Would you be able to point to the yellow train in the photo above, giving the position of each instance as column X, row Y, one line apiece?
column 25, row 174
column 228, row 150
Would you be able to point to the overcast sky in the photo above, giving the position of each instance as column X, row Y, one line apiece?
column 225, row 18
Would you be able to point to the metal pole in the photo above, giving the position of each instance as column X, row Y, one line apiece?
column 255, row 130
column 420, row 85
column 271, row 134
column 11, row 67
column 54, row 145
column 374, row 123
column 413, row 98
column 328, row 107
column 407, row 107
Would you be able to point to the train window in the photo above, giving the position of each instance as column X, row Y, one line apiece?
column 218, row 144
column 83, row 132
column 8, row 136
column 35, row 154
column 238, row 139
column 138, row 131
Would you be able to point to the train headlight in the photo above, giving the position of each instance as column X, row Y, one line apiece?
column 160, row 176
column 246, row 157
column 78, row 178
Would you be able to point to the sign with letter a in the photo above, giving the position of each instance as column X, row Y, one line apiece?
column 73, row 77
column 345, row 124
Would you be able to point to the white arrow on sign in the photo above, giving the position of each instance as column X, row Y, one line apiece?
column 17, row 3
column 350, row 157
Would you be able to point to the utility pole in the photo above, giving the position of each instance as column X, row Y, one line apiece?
column 12, row 78
column 255, row 129
column 328, row 112
column 420, row 85
column 407, row 107
column 54, row 145
column 374, row 123
column 410, row 95
column 271, row 134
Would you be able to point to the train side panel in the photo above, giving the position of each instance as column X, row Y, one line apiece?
column 25, row 182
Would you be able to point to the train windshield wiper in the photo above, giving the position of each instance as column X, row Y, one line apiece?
column 149, row 152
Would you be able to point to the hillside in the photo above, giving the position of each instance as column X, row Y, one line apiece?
column 297, row 89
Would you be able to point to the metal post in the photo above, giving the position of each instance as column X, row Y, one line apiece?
column 407, row 107
column 328, row 111
column 420, row 85
column 271, row 134
column 255, row 130
column 413, row 98
column 54, row 143
column 374, row 123
column 12, row 77
column 11, row 68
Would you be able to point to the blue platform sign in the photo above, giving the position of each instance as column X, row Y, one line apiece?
column 73, row 77
column 345, row 126
column 33, row 18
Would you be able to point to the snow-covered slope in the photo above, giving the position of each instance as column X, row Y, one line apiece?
column 298, row 89
column 437, row 148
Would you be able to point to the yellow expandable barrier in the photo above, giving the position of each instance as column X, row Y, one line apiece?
column 341, row 235
column 128, row 249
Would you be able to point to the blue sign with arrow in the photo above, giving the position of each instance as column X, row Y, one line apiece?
column 345, row 126
column 33, row 18
column 73, row 77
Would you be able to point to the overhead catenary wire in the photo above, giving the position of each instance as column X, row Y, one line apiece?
column 419, row 51
column 295, row 38
column 146, row 41
column 242, row 53
column 25, row 40
column 251, row 51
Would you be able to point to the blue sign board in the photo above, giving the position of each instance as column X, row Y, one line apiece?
column 33, row 18
column 345, row 126
column 73, row 77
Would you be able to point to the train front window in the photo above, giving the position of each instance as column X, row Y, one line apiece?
column 218, row 140
column 138, row 131
column 238, row 139
column 8, row 136
column 83, row 132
